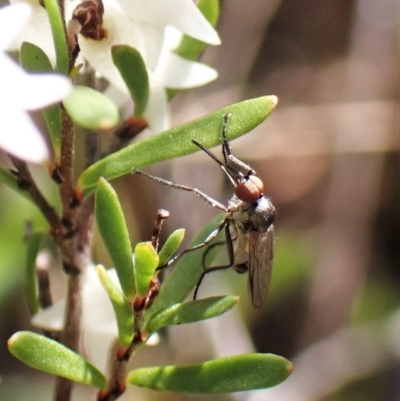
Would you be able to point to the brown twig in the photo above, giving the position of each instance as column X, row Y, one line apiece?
column 26, row 182
column 117, row 384
column 161, row 216
column 43, row 281
column 77, row 247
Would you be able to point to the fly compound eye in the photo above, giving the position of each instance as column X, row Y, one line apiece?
column 250, row 190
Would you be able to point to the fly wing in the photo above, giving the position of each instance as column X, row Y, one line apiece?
column 261, row 252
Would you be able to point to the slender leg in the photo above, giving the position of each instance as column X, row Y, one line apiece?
column 226, row 151
column 245, row 167
column 202, row 195
column 231, row 173
column 229, row 244
column 198, row 246
column 212, row 246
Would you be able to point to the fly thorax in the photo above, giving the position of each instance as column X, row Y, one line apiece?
column 257, row 216
column 238, row 213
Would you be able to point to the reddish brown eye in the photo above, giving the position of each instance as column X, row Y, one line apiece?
column 250, row 190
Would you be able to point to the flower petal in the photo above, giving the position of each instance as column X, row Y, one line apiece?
column 37, row 30
column 51, row 318
column 98, row 319
column 12, row 20
column 177, row 73
column 182, row 14
column 157, row 111
column 44, row 89
column 99, row 326
column 30, row 91
column 153, row 40
column 20, row 137
column 120, row 30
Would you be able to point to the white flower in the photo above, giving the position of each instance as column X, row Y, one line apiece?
column 36, row 29
column 152, row 16
column 142, row 25
column 21, row 92
column 99, row 326
column 170, row 71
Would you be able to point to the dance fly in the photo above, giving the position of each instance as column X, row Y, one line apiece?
column 251, row 215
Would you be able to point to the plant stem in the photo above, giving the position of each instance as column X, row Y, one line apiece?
column 117, row 384
column 27, row 183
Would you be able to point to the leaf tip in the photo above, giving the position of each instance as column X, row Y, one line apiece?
column 274, row 101
column 11, row 341
column 107, row 124
column 290, row 368
column 102, row 181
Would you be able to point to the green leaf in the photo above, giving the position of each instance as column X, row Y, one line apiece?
column 194, row 311
column 52, row 357
column 177, row 141
column 146, row 262
column 91, row 109
column 122, row 309
column 111, row 222
column 34, row 59
column 52, row 116
column 185, row 274
column 33, row 247
column 75, row 71
column 134, row 73
column 170, row 246
column 59, row 37
column 223, row 375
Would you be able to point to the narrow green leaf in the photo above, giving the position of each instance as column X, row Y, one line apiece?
column 146, row 262
column 134, row 73
column 34, row 59
column 75, row 71
column 193, row 311
column 177, row 141
column 33, row 247
column 185, row 274
column 122, row 309
column 58, row 30
column 111, row 222
column 91, row 109
column 223, row 375
column 170, row 246
column 52, row 116
column 52, row 357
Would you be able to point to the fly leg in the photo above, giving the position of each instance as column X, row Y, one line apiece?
column 233, row 174
column 211, row 237
column 226, row 152
column 212, row 202
column 212, row 246
column 229, row 244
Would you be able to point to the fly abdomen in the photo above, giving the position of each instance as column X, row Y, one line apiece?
column 241, row 268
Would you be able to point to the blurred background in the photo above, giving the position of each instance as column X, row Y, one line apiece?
column 329, row 159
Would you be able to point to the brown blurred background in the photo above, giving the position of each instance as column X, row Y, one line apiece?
column 329, row 157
